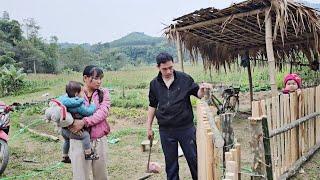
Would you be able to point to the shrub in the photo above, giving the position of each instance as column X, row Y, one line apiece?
column 12, row 80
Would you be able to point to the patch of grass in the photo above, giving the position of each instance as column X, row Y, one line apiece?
column 131, row 113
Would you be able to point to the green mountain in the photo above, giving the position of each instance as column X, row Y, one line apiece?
column 136, row 38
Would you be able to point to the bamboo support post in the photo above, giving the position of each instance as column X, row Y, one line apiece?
column 270, row 53
column 179, row 49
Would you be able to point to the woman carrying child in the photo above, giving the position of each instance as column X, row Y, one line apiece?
column 97, row 125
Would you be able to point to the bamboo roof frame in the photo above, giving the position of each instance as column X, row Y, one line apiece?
column 221, row 36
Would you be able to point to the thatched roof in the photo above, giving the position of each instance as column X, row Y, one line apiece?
column 220, row 36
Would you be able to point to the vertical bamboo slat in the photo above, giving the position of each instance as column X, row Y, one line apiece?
column 318, row 110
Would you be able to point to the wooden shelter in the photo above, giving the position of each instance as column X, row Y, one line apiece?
column 275, row 31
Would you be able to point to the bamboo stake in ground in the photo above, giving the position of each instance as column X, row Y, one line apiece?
column 256, row 142
column 267, row 148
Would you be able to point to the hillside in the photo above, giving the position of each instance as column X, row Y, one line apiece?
column 136, row 38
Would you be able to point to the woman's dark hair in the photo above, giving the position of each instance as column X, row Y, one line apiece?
column 163, row 58
column 73, row 87
column 94, row 72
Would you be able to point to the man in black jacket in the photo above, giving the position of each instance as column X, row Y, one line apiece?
column 169, row 101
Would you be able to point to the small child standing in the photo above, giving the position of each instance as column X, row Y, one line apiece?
column 292, row 83
column 75, row 104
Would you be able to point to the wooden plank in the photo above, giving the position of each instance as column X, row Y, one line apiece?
column 209, row 148
column 317, row 110
column 306, row 124
column 294, row 135
column 313, row 123
column 309, row 122
column 276, row 138
column 200, row 149
column 217, row 152
column 263, row 111
column 271, row 127
column 286, row 117
column 267, row 148
column 255, row 109
column 238, row 148
column 228, row 156
column 300, row 114
column 235, row 159
column 281, row 146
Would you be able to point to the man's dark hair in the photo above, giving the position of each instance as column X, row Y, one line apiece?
column 73, row 87
column 163, row 58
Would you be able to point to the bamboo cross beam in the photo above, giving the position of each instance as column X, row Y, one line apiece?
column 296, row 166
column 293, row 124
column 222, row 19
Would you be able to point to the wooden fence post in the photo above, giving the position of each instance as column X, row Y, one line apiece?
column 256, row 141
column 267, row 148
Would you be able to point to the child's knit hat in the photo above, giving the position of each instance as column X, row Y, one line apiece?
column 294, row 77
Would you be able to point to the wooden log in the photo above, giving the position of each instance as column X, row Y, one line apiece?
column 296, row 166
column 267, row 148
column 293, row 124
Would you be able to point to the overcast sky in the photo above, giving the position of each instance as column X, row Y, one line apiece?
column 93, row 21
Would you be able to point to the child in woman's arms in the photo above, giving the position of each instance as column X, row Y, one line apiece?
column 73, row 101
